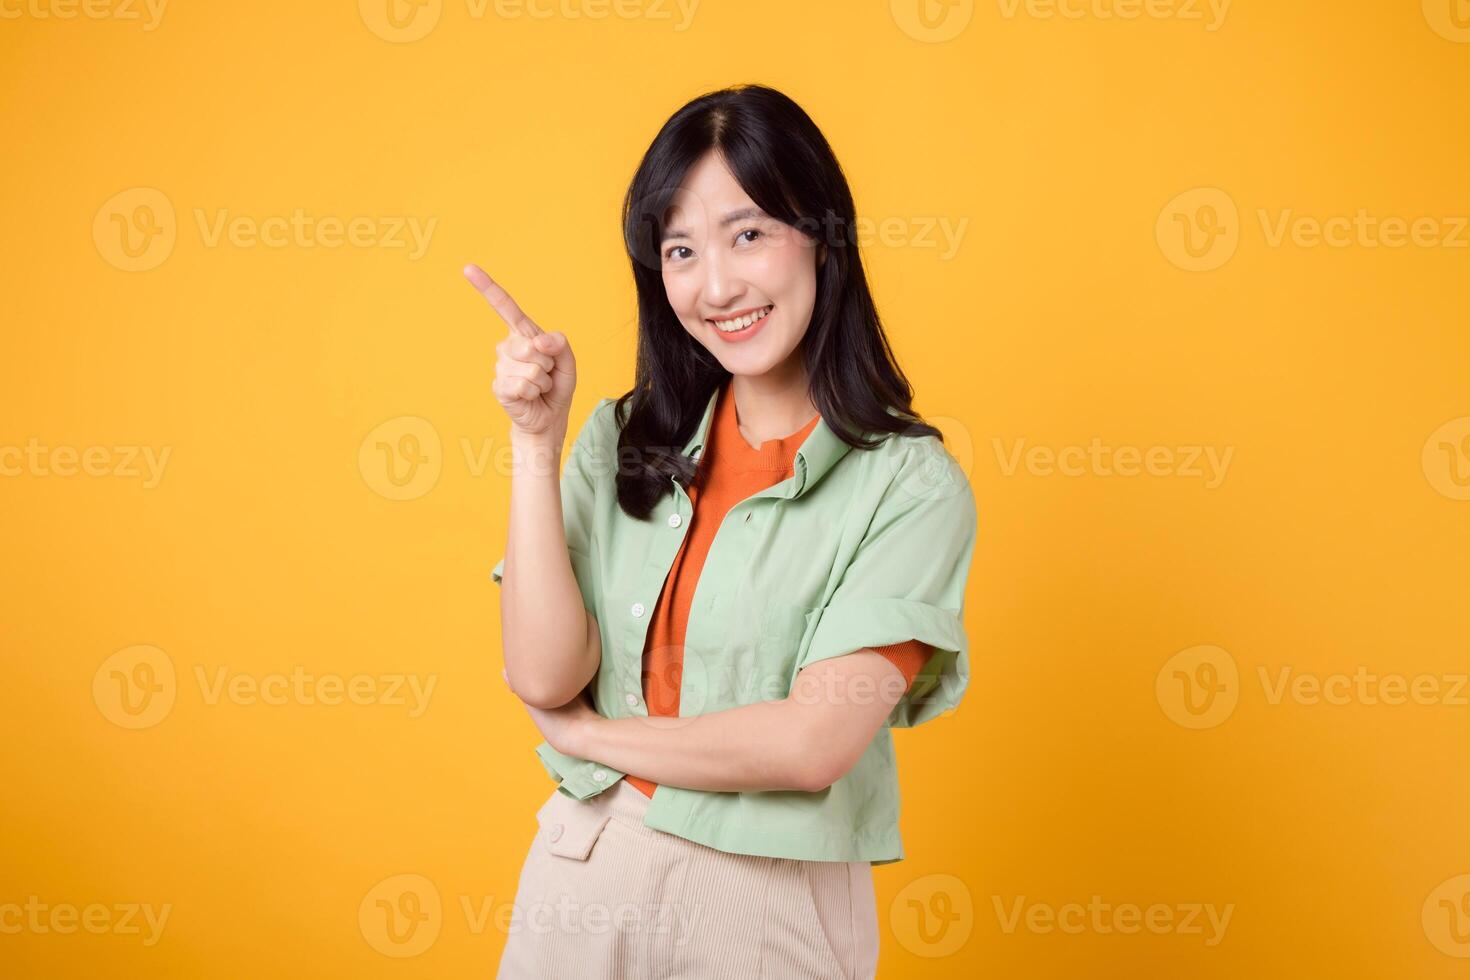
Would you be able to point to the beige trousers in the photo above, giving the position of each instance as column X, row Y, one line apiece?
column 603, row 896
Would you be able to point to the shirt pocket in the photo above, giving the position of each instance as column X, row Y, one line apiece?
column 785, row 633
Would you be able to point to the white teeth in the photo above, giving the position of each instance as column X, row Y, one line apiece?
column 730, row 326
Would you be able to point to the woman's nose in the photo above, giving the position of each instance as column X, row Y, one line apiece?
column 720, row 281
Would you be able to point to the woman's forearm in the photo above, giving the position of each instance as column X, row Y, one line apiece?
column 545, row 629
column 805, row 741
column 753, row 747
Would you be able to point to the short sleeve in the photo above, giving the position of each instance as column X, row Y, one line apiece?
column 909, row 657
column 579, row 478
column 906, row 581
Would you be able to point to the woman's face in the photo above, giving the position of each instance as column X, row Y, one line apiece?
column 725, row 263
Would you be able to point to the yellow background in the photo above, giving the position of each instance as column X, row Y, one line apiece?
column 1336, row 540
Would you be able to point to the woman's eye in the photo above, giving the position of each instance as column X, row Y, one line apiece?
column 750, row 231
column 677, row 248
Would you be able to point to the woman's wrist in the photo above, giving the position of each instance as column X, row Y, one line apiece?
column 536, row 453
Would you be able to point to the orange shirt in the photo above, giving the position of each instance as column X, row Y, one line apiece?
column 730, row 470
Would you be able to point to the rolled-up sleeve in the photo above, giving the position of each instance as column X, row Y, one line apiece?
column 579, row 480
column 906, row 581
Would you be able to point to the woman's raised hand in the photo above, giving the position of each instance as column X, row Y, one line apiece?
column 535, row 372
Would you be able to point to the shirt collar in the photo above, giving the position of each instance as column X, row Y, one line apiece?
column 818, row 453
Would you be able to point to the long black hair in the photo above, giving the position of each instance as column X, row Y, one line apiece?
column 781, row 159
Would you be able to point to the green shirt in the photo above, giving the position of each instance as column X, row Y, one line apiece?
column 859, row 548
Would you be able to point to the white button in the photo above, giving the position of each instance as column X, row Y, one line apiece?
column 631, row 699
column 675, row 520
column 555, row 832
column 637, row 609
column 599, row 775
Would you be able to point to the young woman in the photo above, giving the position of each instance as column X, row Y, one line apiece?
column 754, row 564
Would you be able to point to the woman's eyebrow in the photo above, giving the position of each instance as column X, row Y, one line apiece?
column 739, row 214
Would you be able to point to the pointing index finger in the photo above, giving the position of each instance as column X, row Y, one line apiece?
column 498, row 298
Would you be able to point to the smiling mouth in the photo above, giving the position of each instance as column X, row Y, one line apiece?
column 743, row 322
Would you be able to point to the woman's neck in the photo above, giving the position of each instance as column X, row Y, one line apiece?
column 771, row 405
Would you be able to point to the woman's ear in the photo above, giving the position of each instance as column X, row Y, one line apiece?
column 821, row 254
